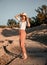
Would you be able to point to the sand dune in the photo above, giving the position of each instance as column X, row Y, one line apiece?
column 36, row 45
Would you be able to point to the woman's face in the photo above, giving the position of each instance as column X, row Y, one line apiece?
column 23, row 18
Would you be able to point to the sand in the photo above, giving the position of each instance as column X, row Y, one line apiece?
column 36, row 46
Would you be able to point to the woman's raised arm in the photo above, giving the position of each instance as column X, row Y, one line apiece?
column 17, row 17
column 28, row 23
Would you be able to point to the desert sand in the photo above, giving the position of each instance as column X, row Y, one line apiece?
column 36, row 46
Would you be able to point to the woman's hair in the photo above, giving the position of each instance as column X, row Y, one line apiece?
column 25, row 18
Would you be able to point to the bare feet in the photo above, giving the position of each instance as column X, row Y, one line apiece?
column 25, row 56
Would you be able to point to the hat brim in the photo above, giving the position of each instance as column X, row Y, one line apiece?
column 22, row 15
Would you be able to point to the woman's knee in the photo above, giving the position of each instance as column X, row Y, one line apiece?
column 22, row 45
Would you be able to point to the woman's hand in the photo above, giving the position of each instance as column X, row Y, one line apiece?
column 17, row 17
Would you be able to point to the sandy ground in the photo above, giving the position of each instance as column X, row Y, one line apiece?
column 36, row 46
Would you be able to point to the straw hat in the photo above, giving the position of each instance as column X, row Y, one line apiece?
column 24, row 14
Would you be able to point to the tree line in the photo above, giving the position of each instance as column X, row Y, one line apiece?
column 40, row 18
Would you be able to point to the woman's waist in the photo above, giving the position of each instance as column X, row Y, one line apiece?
column 22, row 28
column 22, row 31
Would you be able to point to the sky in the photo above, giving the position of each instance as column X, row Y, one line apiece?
column 10, row 8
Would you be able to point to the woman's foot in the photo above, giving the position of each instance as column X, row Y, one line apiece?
column 25, row 56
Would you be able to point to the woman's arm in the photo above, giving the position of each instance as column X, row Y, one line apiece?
column 28, row 23
column 17, row 17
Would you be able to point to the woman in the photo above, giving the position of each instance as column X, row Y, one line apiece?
column 23, row 21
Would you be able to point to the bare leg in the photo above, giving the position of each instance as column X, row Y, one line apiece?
column 22, row 44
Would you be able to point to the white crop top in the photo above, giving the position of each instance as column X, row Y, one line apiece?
column 22, row 25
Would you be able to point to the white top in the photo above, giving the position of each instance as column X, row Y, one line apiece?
column 22, row 25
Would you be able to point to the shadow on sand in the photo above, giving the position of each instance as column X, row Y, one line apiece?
column 8, row 33
column 37, row 28
column 39, row 38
